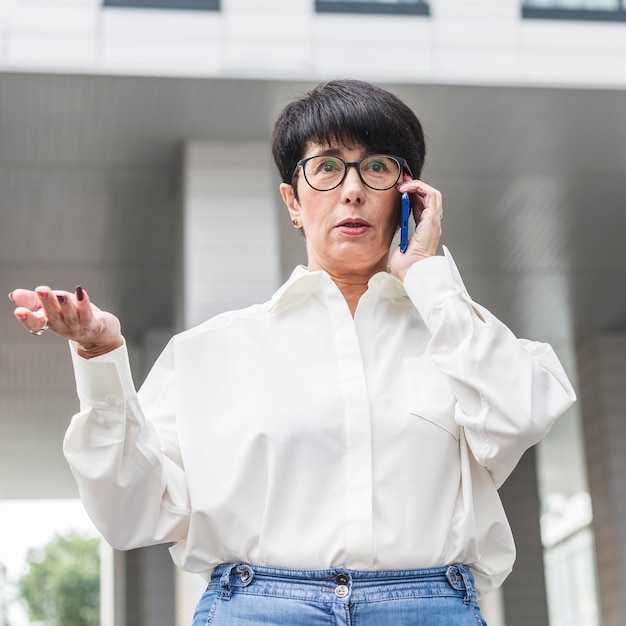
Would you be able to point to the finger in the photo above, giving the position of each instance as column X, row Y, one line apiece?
column 84, row 308
column 25, row 298
column 431, row 207
column 32, row 321
column 415, row 200
column 427, row 194
column 66, row 308
column 51, row 306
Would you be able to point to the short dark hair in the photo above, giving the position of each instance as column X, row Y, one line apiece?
column 352, row 112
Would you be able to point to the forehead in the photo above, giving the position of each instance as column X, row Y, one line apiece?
column 336, row 148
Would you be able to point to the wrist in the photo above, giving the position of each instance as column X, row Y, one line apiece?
column 98, row 349
column 401, row 269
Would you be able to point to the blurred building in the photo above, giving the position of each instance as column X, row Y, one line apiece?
column 134, row 160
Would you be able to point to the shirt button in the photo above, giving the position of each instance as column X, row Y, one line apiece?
column 110, row 399
column 341, row 591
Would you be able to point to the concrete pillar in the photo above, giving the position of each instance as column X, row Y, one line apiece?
column 524, row 590
column 602, row 367
column 230, row 228
column 150, row 587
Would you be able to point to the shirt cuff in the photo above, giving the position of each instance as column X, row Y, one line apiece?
column 105, row 380
column 431, row 281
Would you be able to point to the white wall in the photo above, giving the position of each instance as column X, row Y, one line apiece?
column 478, row 42
column 230, row 228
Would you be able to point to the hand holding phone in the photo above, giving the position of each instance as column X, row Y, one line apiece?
column 404, row 222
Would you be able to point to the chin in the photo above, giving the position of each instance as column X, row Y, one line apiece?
column 365, row 259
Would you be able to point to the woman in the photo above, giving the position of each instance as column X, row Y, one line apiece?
column 331, row 456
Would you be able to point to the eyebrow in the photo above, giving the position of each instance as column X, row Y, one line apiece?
column 330, row 152
column 336, row 152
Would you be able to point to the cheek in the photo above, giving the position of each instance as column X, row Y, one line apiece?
column 394, row 212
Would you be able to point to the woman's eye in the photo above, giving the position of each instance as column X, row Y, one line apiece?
column 330, row 165
column 375, row 167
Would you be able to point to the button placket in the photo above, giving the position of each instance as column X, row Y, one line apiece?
column 357, row 518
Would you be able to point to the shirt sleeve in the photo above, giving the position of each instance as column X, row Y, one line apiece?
column 509, row 391
column 128, row 468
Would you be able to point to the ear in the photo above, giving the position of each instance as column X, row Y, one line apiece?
column 289, row 198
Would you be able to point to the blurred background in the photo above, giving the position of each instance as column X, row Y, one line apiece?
column 135, row 161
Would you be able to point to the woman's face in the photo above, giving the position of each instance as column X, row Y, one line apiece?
column 349, row 228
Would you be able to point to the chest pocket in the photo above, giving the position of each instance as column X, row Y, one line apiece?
column 428, row 393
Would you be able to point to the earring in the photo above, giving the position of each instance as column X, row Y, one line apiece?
column 296, row 222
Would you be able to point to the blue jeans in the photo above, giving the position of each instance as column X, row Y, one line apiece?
column 240, row 594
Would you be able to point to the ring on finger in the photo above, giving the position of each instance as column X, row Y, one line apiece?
column 40, row 331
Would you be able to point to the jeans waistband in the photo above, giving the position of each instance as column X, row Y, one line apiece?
column 341, row 584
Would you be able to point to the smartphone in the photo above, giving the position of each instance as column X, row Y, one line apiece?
column 404, row 222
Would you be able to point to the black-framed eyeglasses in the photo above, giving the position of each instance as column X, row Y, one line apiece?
column 377, row 171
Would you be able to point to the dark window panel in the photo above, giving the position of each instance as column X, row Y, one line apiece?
column 372, row 7
column 611, row 12
column 192, row 5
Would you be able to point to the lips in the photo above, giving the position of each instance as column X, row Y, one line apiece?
column 353, row 226
column 353, row 222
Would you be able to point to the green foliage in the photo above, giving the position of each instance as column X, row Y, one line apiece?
column 62, row 585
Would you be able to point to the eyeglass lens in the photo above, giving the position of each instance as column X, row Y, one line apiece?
column 377, row 171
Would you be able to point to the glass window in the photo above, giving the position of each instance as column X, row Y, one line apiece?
column 573, row 4
column 390, row 7
column 604, row 10
column 569, row 559
column 195, row 5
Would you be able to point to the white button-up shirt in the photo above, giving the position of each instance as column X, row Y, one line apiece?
column 292, row 434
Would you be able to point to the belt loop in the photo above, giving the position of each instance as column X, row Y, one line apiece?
column 468, row 579
column 453, row 575
column 225, row 582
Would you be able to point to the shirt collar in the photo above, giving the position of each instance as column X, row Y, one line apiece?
column 302, row 283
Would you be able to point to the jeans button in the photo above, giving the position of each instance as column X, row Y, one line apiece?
column 341, row 591
column 245, row 576
column 341, row 579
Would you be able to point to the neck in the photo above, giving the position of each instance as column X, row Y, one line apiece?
column 352, row 284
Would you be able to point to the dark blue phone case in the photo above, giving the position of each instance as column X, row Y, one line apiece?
column 404, row 222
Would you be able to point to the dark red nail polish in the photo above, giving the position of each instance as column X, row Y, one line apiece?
column 80, row 294
column 61, row 299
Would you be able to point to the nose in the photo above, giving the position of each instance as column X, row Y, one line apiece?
column 352, row 186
